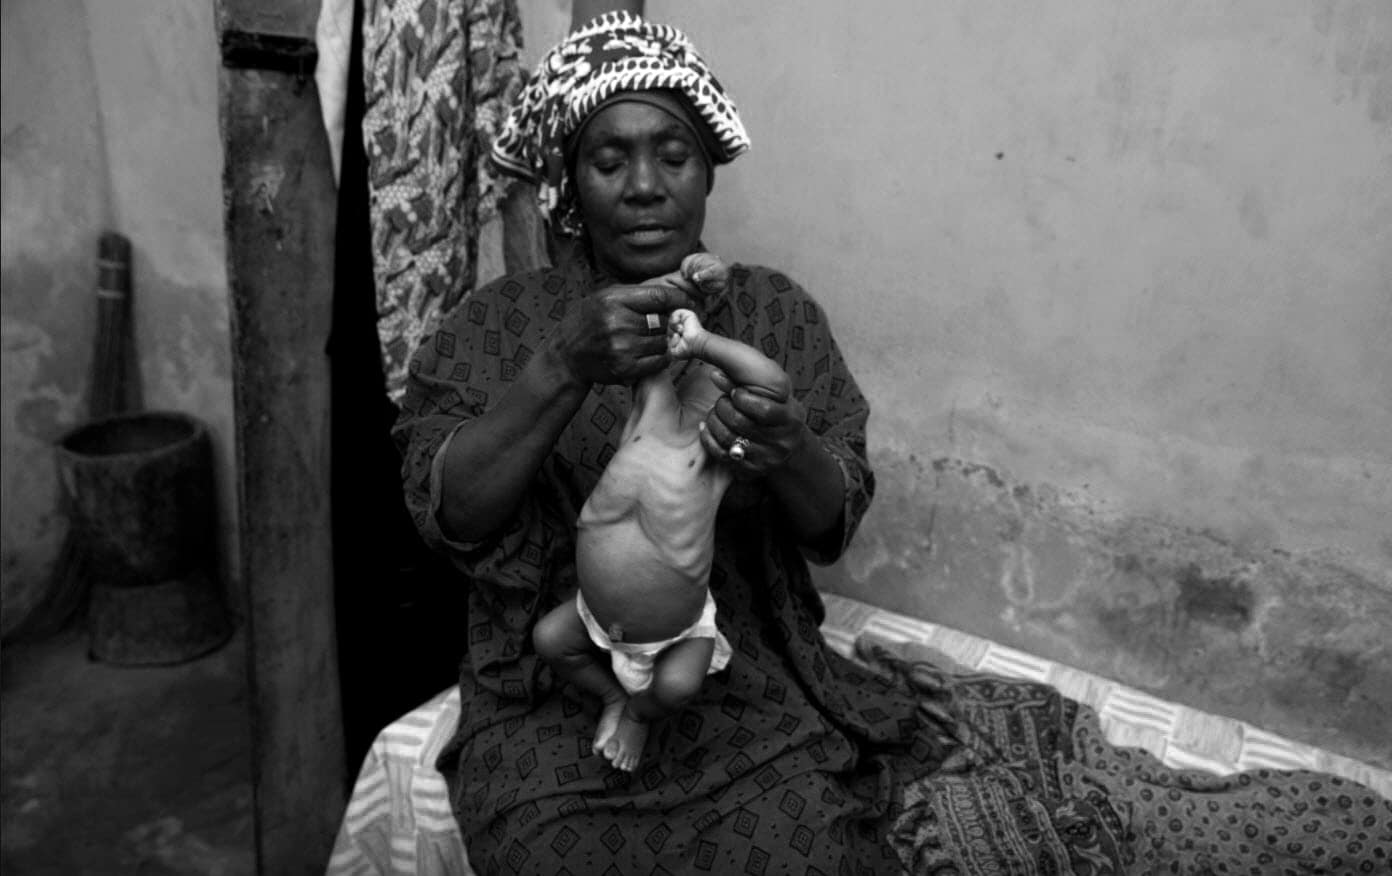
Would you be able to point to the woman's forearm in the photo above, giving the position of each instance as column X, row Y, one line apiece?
column 812, row 491
column 490, row 461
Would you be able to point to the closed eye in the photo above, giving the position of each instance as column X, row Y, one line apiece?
column 607, row 160
column 675, row 157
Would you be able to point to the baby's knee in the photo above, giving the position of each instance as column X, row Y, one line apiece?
column 549, row 635
column 673, row 689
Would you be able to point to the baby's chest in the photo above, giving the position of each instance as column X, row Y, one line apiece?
column 653, row 470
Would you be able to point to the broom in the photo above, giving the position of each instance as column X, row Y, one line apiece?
column 108, row 396
column 109, row 387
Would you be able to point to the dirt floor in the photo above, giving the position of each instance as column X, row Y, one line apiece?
column 120, row 770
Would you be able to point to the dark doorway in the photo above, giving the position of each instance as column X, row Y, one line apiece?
column 400, row 609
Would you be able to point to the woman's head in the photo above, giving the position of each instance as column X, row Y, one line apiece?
column 623, row 86
column 641, row 175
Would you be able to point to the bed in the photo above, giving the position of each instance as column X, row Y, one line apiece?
column 398, row 820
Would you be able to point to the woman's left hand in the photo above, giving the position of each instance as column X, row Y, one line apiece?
column 768, row 430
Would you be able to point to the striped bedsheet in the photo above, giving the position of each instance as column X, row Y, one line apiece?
column 398, row 820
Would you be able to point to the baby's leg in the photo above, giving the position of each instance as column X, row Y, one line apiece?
column 678, row 675
column 563, row 642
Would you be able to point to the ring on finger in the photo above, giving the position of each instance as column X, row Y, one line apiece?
column 738, row 448
column 654, row 322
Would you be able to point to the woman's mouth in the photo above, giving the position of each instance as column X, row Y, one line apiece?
column 647, row 236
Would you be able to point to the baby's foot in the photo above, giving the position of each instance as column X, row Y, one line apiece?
column 624, row 747
column 608, row 723
column 686, row 337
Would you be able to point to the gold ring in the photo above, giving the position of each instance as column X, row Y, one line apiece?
column 654, row 322
column 738, row 449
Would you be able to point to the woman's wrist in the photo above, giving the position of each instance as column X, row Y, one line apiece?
column 810, row 486
column 802, row 457
column 552, row 367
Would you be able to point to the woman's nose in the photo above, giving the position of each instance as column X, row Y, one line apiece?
column 643, row 182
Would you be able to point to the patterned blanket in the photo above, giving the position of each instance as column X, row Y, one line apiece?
column 1036, row 788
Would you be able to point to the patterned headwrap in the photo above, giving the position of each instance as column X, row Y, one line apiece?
column 615, row 52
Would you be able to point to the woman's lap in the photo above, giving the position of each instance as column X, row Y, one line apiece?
column 752, row 775
column 804, row 824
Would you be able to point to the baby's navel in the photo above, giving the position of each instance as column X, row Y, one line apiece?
column 691, row 463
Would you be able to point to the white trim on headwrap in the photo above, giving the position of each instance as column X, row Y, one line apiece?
column 615, row 52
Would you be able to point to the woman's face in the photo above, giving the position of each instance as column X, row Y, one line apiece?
column 641, row 181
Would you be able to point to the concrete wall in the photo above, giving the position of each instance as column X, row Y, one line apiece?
column 109, row 121
column 1117, row 278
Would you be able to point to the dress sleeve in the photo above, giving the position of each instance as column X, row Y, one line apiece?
column 793, row 329
column 456, row 373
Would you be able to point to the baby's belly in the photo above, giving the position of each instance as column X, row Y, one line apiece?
column 629, row 580
column 646, row 539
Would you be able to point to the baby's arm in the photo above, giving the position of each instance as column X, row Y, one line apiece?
column 744, row 365
column 686, row 337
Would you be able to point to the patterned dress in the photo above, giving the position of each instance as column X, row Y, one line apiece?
column 790, row 757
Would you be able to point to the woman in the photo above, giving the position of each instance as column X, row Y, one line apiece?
column 786, row 760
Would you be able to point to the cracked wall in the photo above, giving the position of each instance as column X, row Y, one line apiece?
column 1117, row 280
column 1290, row 640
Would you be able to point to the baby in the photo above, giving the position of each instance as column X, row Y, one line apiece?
column 646, row 539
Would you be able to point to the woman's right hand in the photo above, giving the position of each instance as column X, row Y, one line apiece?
column 608, row 336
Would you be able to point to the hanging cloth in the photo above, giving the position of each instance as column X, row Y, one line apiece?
column 439, row 75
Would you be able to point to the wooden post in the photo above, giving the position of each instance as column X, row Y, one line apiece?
column 280, row 206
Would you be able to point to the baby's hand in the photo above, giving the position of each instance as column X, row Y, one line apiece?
column 707, row 272
column 686, row 337
column 701, row 275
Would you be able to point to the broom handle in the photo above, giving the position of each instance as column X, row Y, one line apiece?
column 108, row 395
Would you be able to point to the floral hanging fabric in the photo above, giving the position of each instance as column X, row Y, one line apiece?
column 439, row 75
